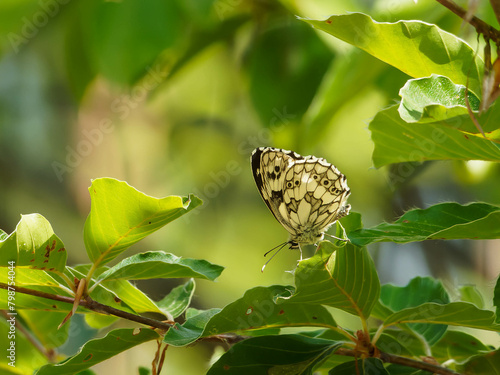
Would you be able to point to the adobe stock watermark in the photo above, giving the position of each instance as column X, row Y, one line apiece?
column 32, row 25
column 11, row 313
column 221, row 179
column 122, row 107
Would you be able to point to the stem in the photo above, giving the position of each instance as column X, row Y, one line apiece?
column 481, row 27
column 67, row 279
column 229, row 338
column 377, row 334
column 408, row 362
column 94, row 306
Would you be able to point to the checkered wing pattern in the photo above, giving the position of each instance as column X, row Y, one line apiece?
column 306, row 194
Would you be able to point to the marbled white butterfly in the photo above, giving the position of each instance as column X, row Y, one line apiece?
column 306, row 194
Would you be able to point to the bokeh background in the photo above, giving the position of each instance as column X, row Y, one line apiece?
column 172, row 96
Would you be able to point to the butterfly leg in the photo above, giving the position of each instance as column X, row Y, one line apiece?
column 300, row 249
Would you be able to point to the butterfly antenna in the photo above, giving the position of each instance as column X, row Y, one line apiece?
column 281, row 246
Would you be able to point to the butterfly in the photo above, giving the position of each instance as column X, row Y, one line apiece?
column 305, row 194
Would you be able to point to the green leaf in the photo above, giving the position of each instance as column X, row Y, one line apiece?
column 120, row 294
column 405, row 343
column 397, row 141
column 45, row 326
column 433, row 99
column 458, row 346
column 120, row 216
column 99, row 321
column 23, row 348
column 444, row 221
column 125, row 56
column 469, row 293
column 414, row 47
column 34, row 244
column 92, row 352
column 366, row 366
column 28, row 277
column 283, row 354
column 35, row 280
column 461, row 314
column 285, row 58
column 483, row 364
column 256, row 310
column 178, row 300
column 158, row 264
column 191, row 330
column 418, row 291
column 344, row 278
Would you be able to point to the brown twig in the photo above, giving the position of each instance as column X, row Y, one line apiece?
column 481, row 27
column 228, row 338
column 92, row 305
column 408, row 362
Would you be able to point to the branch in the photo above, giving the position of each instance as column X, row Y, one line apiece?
column 481, row 27
column 495, row 5
column 408, row 362
column 90, row 304
column 228, row 338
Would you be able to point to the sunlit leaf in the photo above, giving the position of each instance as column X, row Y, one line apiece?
column 121, row 216
column 469, row 293
column 344, row 278
column 178, row 300
column 397, row 141
column 445, row 221
column 92, row 352
column 414, row 47
column 120, row 294
column 283, row 354
column 158, row 264
column 462, row 314
column 35, row 245
column 434, row 98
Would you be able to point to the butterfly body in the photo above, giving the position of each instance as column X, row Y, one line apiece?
column 305, row 194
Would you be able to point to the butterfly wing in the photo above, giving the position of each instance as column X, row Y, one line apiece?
column 269, row 167
column 315, row 194
column 305, row 194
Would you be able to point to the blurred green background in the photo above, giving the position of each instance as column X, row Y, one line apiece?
column 172, row 96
